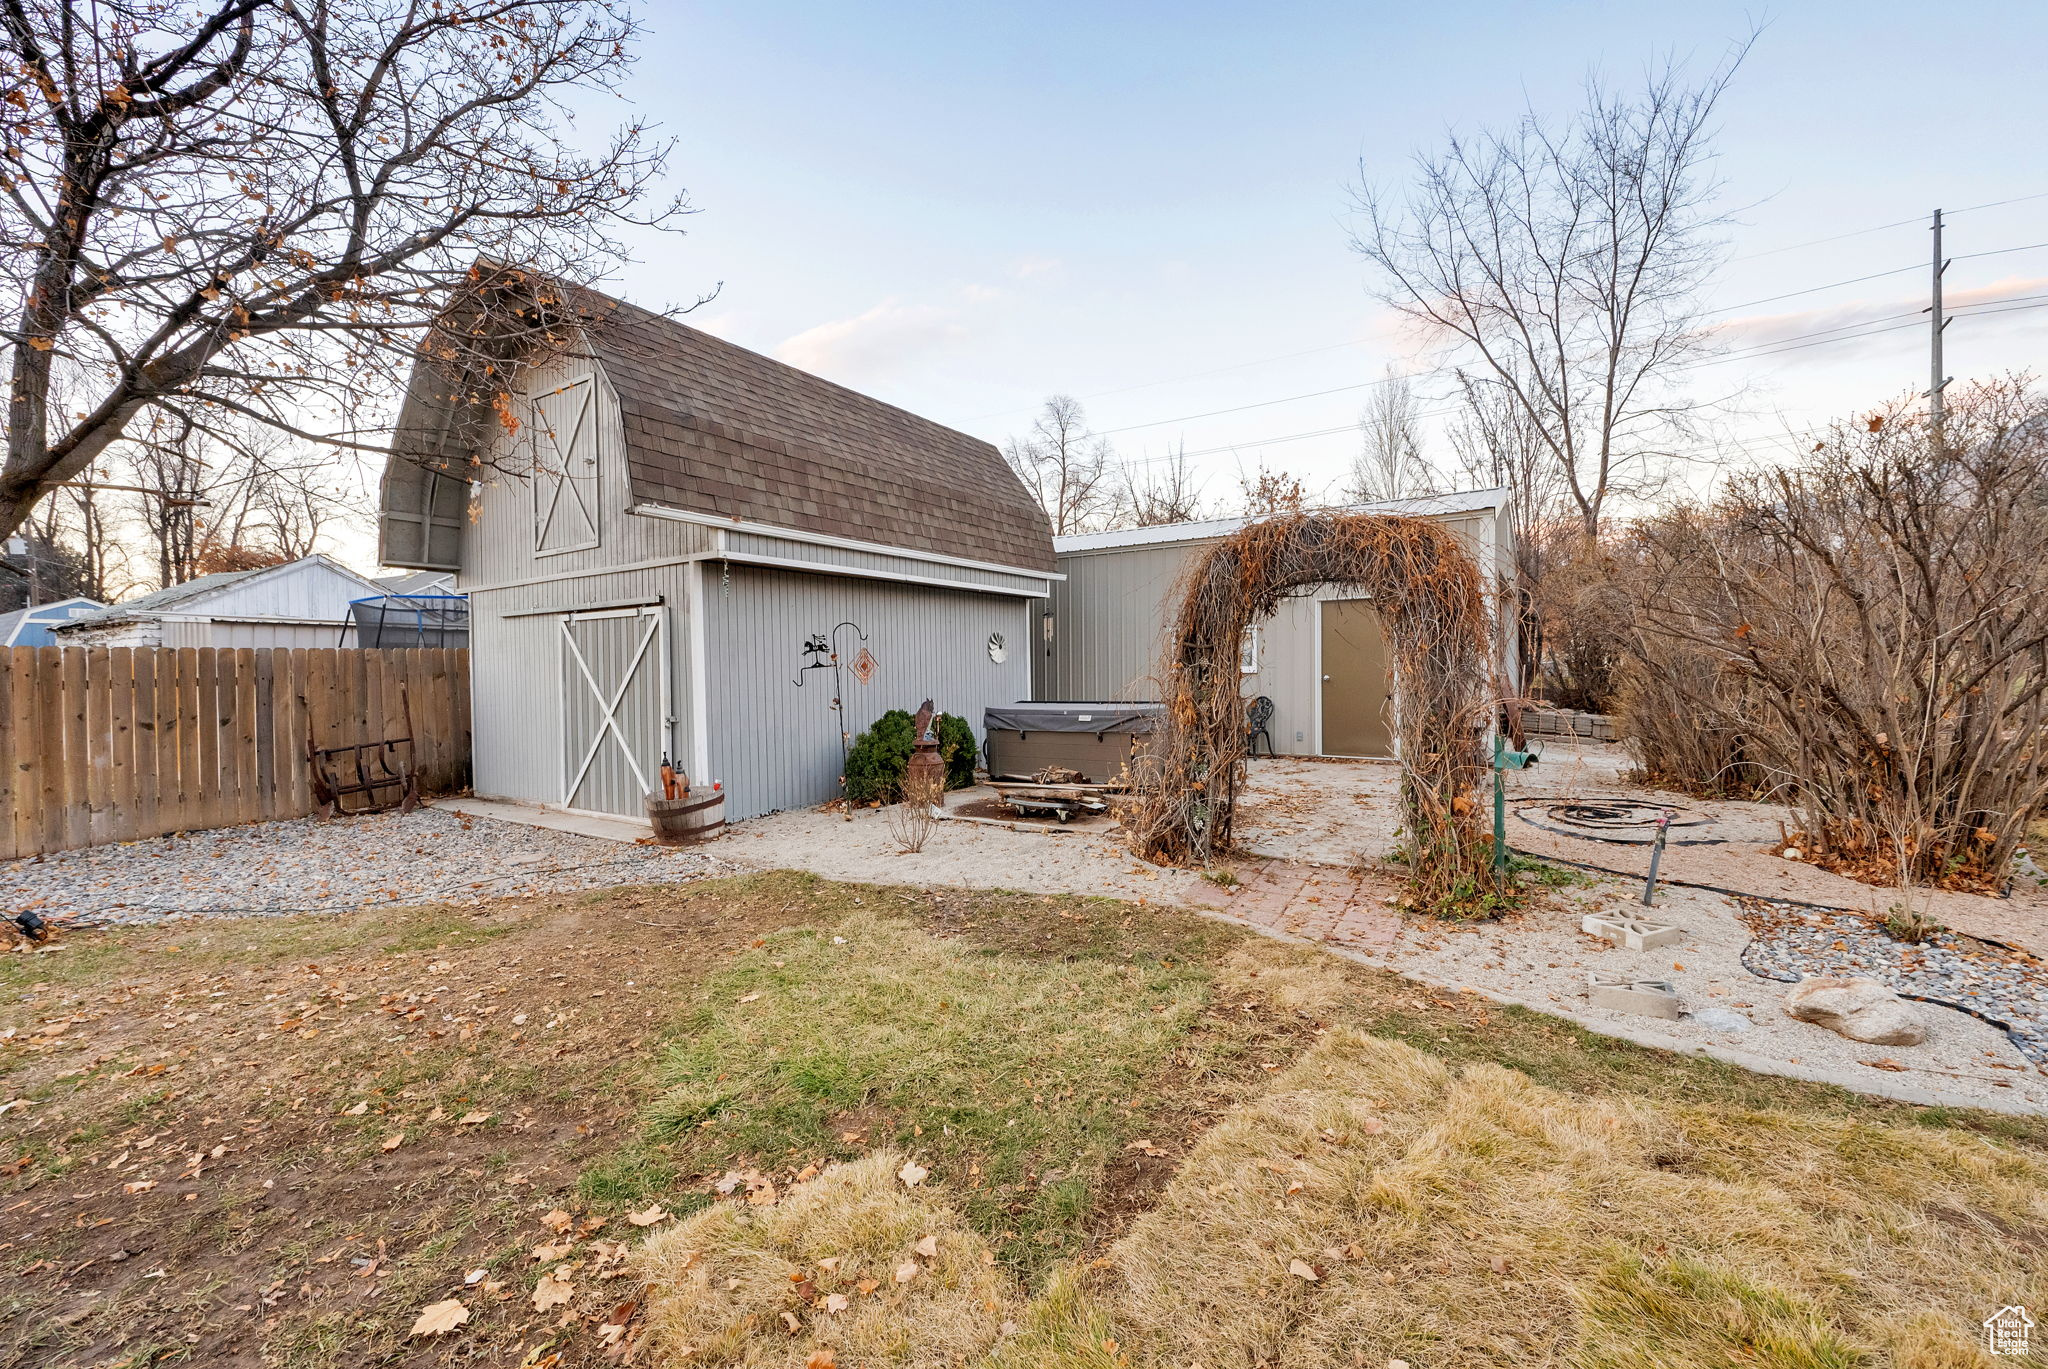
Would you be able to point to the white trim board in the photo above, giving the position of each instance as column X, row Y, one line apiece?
column 820, row 539
column 1433, row 505
column 752, row 558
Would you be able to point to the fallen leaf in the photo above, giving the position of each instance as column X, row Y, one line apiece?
column 470, row 1119
column 557, row 1220
column 912, row 1174
column 822, row 1358
column 908, row 1270
column 928, row 1247
column 139, row 1186
column 750, row 997
column 439, row 1318
column 649, row 1217
column 836, row 1302
column 830, row 1264
column 393, row 1141
column 1499, row 1264
column 551, row 1292
column 547, row 1253
column 791, row 1324
column 358, row 1110
column 868, row 1285
column 1302, row 1269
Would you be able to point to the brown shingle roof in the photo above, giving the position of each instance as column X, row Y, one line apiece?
column 714, row 428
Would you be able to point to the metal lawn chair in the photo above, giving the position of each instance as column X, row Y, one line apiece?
column 1258, row 716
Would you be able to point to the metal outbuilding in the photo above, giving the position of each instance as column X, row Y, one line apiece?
column 302, row 603
column 660, row 524
column 1321, row 658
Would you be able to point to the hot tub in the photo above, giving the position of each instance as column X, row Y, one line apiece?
column 1097, row 739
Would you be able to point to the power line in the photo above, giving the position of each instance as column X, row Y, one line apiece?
column 1773, row 344
column 1358, row 342
column 1879, row 228
column 1260, row 404
column 1876, row 275
column 1798, row 342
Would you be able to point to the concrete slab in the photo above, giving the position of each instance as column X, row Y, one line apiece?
column 1634, row 933
column 604, row 825
column 1622, row 993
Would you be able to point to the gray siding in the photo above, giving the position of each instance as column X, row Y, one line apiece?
column 775, row 745
column 516, row 676
column 1112, row 613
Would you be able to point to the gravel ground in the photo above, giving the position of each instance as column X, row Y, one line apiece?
column 307, row 866
column 2008, row 987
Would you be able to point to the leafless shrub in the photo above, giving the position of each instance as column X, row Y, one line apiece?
column 1873, row 623
column 912, row 819
column 1676, row 743
column 1583, row 617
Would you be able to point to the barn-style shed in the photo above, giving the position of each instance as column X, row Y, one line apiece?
column 1321, row 659
column 695, row 516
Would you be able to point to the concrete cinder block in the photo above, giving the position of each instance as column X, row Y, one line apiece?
column 1623, row 993
column 1634, row 933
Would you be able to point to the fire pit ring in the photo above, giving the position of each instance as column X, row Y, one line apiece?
column 1625, row 822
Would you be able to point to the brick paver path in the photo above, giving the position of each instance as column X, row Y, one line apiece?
column 1313, row 902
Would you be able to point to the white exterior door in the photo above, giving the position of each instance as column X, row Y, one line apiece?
column 617, row 710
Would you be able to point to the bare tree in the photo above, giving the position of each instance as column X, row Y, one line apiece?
column 1499, row 446
column 1158, row 491
column 1390, row 463
column 1262, row 491
column 264, row 208
column 1566, row 261
column 227, row 495
column 1066, row 469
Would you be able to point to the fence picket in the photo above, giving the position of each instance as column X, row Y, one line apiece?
column 148, row 724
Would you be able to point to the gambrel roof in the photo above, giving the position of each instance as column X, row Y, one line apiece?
column 716, row 429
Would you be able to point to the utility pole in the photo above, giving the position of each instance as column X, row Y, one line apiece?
column 1936, row 381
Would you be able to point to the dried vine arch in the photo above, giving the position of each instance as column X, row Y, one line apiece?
column 1430, row 602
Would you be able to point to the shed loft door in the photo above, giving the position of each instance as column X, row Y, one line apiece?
column 564, row 434
column 616, row 709
column 1357, row 700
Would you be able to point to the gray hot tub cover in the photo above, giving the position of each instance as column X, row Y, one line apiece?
column 1097, row 718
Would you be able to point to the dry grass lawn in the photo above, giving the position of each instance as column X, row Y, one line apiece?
column 613, row 1125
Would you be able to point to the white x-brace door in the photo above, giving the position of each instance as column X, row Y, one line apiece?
column 617, row 709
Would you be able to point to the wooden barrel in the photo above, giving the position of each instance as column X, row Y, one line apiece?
column 677, row 822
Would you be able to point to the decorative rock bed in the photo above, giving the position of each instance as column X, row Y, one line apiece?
column 301, row 865
column 2005, row 987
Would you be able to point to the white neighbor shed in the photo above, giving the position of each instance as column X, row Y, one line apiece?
column 696, row 514
column 1321, row 658
column 302, row 603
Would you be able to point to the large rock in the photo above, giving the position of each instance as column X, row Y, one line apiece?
column 1860, row 1009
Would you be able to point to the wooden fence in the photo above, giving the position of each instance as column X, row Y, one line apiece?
column 106, row 744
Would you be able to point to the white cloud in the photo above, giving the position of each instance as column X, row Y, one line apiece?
column 874, row 344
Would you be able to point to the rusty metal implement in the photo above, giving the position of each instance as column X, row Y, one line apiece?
column 381, row 773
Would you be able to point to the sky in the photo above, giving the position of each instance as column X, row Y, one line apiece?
column 962, row 209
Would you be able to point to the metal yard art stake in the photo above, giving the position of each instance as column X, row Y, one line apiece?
column 826, row 646
column 1657, row 855
column 1503, row 760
